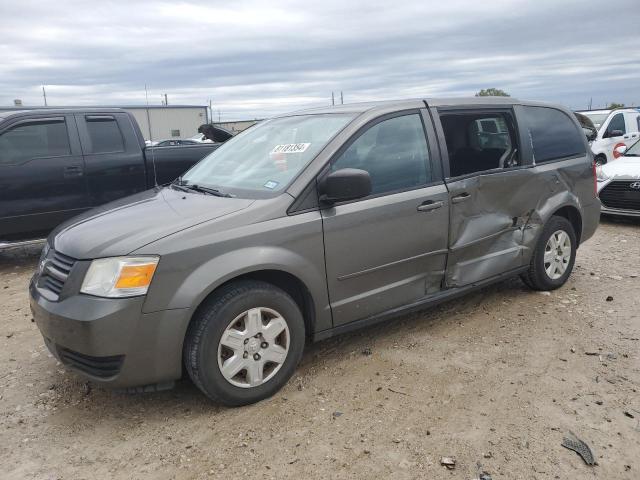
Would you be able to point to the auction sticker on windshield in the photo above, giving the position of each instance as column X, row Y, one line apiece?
column 290, row 148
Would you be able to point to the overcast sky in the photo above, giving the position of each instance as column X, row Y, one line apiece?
column 257, row 58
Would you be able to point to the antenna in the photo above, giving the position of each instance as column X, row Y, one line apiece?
column 153, row 150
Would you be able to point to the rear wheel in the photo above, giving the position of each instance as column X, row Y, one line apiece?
column 244, row 343
column 554, row 256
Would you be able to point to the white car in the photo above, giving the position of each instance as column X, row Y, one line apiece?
column 615, row 128
column 619, row 183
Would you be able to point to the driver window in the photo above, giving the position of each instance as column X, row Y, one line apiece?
column 394, row 152
column 617, row 123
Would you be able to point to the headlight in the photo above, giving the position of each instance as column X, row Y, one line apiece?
column 600, row 175
column 119, row 276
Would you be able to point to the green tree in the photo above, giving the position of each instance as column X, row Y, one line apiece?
column 613, row 105
column 492, row 92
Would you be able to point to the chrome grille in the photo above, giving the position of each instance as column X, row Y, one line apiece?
column 55, row 272
column 619, row 194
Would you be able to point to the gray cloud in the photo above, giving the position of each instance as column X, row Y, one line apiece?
column 254, row 59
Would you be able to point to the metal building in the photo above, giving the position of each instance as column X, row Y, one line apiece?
column 168, row 121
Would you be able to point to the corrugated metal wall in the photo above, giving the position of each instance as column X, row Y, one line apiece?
column 166, row 122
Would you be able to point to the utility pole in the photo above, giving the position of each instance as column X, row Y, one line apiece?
column 333, row 101
column 210, row 113
column 44, row 95
column 341, row 98
column 590, row 102
column 166, row 99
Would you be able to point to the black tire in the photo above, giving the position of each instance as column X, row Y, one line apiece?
column 536, row 276
column 200, row 352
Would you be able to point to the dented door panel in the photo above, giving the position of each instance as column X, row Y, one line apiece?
column 486, row 230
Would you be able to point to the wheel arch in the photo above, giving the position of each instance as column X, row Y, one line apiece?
column 574, row 216
column 283, row 280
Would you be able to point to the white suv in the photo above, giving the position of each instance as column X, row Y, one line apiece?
column 615, row 128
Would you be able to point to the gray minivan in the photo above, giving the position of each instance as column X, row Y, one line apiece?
column 309, row 225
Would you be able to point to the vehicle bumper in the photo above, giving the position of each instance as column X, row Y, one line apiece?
column 620, row 212
column 590, row 220
column 111, row 341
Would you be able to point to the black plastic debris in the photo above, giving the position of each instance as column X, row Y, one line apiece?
column 574, row 443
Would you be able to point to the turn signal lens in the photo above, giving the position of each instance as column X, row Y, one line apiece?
column 135, row 276
column 119, row 277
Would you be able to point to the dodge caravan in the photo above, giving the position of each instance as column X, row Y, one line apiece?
column 309, row 225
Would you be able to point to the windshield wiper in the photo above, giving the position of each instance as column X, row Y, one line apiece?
column 180, row 184
column 207, row 190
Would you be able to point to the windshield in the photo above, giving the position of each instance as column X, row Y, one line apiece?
column 597, row 118
column 265, row 158
column 633, row 150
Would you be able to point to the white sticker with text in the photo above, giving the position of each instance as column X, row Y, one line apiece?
column 290, row 148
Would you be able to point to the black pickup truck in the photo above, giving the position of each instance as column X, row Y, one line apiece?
column 57, row 163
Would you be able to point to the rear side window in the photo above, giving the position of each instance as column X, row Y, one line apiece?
column 553, row 134
column 104, row 134
column 479, row 141
column 29, row 140
column 394, row 152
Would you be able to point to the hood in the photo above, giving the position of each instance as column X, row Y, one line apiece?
column 121, row 227
column 624, row 168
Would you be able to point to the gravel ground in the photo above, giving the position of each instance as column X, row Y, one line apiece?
column 495, row 380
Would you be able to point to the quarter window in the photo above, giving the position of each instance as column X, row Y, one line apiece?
column 479, row 141
column 553, row 134
column 29, row 140
column 104, row 134
column 394, row 152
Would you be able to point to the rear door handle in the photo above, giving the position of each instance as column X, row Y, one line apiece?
column 429, row 205
column 461, row 198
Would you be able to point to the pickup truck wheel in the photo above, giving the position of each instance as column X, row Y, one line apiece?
column 554, row 256
column 244, row 343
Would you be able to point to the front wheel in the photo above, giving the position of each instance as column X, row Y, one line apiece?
column 552, row 260
column 244, row 343
column 600, row 160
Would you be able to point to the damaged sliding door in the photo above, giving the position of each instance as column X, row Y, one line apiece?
column 490, row 192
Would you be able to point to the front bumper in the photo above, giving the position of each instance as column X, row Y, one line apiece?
column 620, row 212
column 111, row 341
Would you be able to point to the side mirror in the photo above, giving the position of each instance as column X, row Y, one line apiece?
column 614, row 133
column 345, row 184
column 590, row 134
column 620, row 149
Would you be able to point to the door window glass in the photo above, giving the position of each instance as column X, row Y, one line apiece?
column 105, row 135
column 553, row 134
column 394, row 152
column 479, row 141
column 616, row 123
column 30, row 140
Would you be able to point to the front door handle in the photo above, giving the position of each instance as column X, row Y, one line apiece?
column 461, row 198
column 73, row 171
column 429, row 205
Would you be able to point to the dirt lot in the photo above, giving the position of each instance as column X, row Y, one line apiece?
column 495, row 380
